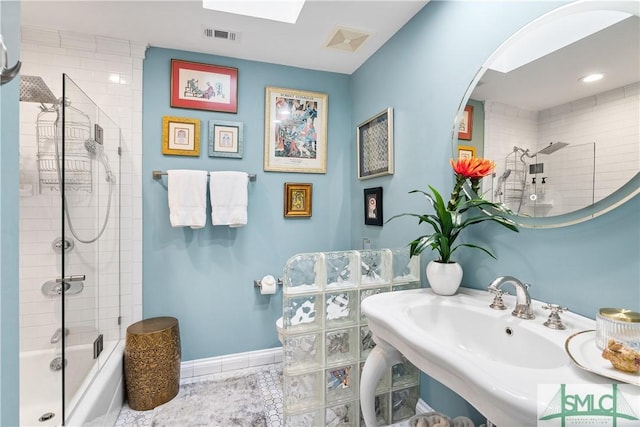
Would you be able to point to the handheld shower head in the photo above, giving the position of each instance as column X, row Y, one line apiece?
column 501, row 181
column 93, row 146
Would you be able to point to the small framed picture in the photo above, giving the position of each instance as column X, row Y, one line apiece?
column 375, row 145
column 297, row 199
column 466, row 124
column 373, row 206
column 466, row 151
column 225, row 139
column 180, row 136
column 204, row 86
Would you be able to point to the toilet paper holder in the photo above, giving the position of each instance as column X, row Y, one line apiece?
column 258, row 283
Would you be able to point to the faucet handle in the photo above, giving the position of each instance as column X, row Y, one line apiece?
column 555, row 308
column 497, row 303
column 554, row 321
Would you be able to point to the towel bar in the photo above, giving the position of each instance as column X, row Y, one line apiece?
column 158, row 175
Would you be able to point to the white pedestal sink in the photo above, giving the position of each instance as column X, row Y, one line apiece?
column 489, row 357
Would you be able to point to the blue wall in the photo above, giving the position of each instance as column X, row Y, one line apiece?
column 9, row 188
column 205, row 277
column 434, row 57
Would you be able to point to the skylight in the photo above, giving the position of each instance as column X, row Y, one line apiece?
column 282, row 10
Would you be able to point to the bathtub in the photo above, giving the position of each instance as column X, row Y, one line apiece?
column 93, row 395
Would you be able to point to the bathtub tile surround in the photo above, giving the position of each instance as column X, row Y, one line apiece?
column 94, row 63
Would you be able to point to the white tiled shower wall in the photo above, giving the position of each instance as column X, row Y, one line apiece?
column 607, row 121
column 109, row 71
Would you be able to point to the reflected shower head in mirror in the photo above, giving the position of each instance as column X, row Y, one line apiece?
column 553, row 147
column 501, row 181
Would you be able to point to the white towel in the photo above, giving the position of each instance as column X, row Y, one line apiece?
column 228, row 192
column 187, row 192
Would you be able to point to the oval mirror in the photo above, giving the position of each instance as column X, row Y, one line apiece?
column 566, row 141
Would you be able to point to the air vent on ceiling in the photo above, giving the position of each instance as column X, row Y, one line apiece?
column 346, row 39
column 219, row 34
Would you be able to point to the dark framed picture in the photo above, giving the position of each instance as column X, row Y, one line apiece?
column 204, row 86
column 297, row 199
column 375, row 145
column 225, row 139
column 180, row 136
column 466, row 124
column 373, row 206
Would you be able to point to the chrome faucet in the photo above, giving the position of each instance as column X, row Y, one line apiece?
column 523, row 308
column 57, row 335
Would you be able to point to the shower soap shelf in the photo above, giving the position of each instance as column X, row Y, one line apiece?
column 77, row 163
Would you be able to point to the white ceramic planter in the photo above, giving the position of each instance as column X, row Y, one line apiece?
column 444, row 278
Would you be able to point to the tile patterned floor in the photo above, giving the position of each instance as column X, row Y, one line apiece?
column 270, row 386
column 269, row 378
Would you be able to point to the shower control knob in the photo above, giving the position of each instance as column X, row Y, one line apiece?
column 60, row 245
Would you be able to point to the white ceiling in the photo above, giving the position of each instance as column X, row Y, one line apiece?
column 552, row 80
column 179, row 25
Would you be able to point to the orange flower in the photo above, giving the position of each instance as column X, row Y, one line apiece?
column 474, row 167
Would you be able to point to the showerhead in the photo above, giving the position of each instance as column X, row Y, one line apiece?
column 93, row 146
column 34, row 89
column 553, row 147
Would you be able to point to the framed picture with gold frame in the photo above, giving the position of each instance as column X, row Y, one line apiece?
column 180, row 136
column 466, row 151
column 295, row 131
column 297, row 199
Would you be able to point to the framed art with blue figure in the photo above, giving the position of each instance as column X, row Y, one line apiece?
column 295, row 138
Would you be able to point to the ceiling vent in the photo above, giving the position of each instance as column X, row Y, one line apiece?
column 345, row 39
column 219, row 34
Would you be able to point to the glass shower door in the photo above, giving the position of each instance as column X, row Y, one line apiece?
column 91, row 220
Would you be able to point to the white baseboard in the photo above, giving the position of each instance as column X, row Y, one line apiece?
column 230, row 362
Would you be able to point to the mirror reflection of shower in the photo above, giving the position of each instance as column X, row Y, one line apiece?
column 524, row 181
column 81, row 148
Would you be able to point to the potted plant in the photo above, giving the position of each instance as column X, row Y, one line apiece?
column 449, row 219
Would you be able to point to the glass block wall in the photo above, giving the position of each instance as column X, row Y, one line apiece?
column 326, row 338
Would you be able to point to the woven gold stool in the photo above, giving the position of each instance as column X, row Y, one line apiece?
column 152, row 362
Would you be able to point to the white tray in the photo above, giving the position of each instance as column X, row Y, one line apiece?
column 581, row 348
